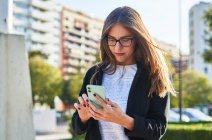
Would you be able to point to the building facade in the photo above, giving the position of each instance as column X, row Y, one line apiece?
column 39, row 21
column 173, row 52
column 197, row 39
column 80, row 41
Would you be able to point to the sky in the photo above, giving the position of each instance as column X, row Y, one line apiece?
column 161, row 17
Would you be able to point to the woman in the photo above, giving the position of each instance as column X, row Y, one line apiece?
column 136, row 79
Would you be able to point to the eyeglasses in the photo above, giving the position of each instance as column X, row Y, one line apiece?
column 125, row 41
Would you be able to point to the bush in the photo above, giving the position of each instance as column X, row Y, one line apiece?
column 189, row 131
column 177, row 131
column 71, row 129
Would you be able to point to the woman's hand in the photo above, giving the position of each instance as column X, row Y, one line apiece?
column 111, row 112
column 83, row 108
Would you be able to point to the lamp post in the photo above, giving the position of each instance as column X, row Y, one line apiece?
column 180, row 65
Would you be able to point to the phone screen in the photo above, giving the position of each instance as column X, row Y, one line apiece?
column 99, row 90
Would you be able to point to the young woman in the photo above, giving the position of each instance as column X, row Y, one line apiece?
column 136, row 79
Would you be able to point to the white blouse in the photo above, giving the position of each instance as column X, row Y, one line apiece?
column 117, row 88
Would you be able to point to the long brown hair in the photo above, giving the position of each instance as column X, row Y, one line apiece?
column 146, row 50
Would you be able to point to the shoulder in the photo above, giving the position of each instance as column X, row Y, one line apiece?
column 97, row 67
column 91, row 70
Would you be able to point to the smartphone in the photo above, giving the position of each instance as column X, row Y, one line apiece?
column 99, row 90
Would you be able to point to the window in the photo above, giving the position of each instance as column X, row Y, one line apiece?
column 191, row 14
column 206, row 70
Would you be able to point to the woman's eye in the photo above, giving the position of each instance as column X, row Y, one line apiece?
column 110, row 39
column 125, row 39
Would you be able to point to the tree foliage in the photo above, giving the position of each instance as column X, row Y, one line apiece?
column 207, row 54
column 169, row 65
column 196, row 90
column 46, row 81
column 75, row 86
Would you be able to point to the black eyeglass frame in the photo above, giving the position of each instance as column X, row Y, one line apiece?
column 131, row 38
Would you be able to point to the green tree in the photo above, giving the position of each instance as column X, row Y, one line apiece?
column 196, row 90
column 46, row 81
column 207, row 54
column 75, row 86
column 174, row 99
column 169, row 64
column 38, row 53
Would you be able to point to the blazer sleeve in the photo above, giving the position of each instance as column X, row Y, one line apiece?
column 78, row 126
column 153, row 126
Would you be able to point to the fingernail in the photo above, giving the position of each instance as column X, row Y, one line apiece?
column 84, row 105
column 94, row 94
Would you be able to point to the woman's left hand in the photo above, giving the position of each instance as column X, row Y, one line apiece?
column 111, row 112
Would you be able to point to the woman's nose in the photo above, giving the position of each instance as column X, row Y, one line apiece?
column 118, row 45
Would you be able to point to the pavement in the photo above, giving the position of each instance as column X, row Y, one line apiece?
column 61, row 133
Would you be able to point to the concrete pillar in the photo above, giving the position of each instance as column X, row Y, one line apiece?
column 16, row 122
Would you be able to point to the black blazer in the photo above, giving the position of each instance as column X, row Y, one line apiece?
column 149, row 113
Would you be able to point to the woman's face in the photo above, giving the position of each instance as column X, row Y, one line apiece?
column 121, row 44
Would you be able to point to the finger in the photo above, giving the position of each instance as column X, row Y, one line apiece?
column 81, row 101
column 76, row 105
column 93, row 112
column 98, row 117
column 85, row 98
column 95, row 109
column 109, row 102
column 100, row 100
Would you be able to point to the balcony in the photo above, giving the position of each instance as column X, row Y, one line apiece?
column 72, row 70
column 44, row 27
column 74, row 62
column 44, row 16
column 23, row 1
column 91, row 43
column 77, row 53
column 76, row 32
column 73, row 39
column 19, row 22
column 35, row 47
column 45, row 5
column 90, row 58
column 21, row 11
column 89, row 50
column 73, row 46
column 42, row 38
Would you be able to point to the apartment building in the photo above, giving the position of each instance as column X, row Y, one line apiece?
column 197, row 39
column 39, row 21
column 80, row 41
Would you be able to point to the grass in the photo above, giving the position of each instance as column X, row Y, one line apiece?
column 207, row 126
column 185, row 131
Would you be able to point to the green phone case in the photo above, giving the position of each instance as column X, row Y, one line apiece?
column 99, row 90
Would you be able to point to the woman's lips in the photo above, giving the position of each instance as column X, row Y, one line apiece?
column 119, row 54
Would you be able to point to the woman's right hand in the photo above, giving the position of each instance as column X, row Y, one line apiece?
column 83, row 108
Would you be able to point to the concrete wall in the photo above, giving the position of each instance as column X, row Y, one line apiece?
column 45, row 120
column 16, row 122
